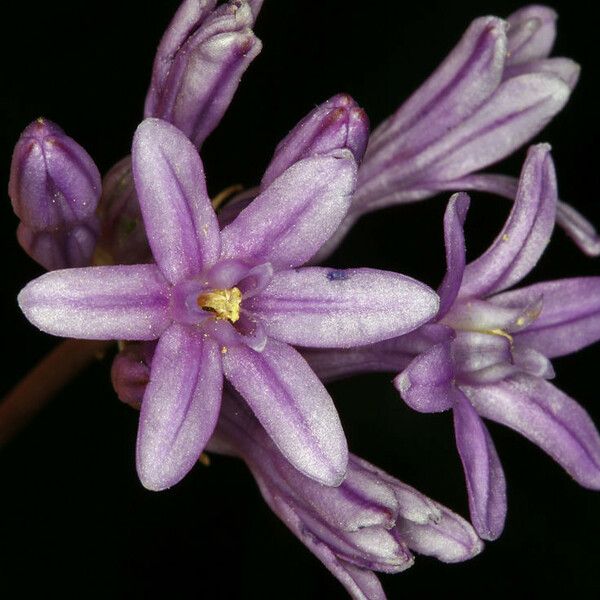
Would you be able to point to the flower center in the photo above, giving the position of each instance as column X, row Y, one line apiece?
column 225, row 304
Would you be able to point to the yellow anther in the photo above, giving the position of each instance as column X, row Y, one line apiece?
column 501, row 333
column 223, row 196
column 225, row 304
column 505, row 238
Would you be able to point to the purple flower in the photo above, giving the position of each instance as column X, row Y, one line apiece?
column 199, row 63
column 487, row 354
column 369, row 523
column 54, row 188
column 494, row 92
column 229, row 303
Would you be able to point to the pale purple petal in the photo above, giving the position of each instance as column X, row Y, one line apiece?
column 465, row 79
column 486, row 485
column 99, row 303
column 361, row 583
column 547, row 417
column 564, row 68
column 180, row 222
column 426, row 384
column 337, row 123
column 569, row 319
column 293, row 406
column 531, row 361
column 321, row 307
column 520, row 108
column 180, row 407
column 525, row 234
column 454, row 241
column 531, row 33
column 448, row 537
column 516, row 112
column 288, row 222
column 577, row 227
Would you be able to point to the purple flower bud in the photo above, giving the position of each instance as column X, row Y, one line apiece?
column 130, row 372
column 199, row 63
column 60, row 248
column 122, row 237
column 53, row 180
column 336, row 124
column 366, row 524
column 54, row 188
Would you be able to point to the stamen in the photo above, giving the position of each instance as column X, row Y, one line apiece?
column 224, row 303
column 501, row 333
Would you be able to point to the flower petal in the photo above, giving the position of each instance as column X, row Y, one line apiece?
column 288, row 222
column 486, row 485
column 564, row 68
column 180, row 222
column 445, row 536
column 525, row 235
column 180, row 407
column 514, row 114
column 575, row 225
column 426, row 384
column 128, row 302
column 293, row 406
column 464, row 80
column 454, row 241
column 531, row 33
column 320, row 307
column 570, row 316
column 547, row 417
column 361, row 583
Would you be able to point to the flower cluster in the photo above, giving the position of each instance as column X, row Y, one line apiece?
column 230, row 326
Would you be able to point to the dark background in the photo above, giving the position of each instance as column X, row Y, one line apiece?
column 73, row 518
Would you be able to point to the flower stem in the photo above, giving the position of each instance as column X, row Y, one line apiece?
column 44, row 381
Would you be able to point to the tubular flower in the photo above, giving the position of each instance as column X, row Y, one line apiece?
column 371, row 522
column 229, row 303
column 493, row 93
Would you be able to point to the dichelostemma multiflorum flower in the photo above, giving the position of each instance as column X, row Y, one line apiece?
column 230, row 303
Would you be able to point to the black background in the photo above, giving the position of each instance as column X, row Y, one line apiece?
column 73, row 518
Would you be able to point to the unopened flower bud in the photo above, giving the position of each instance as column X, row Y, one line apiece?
column 122, row 236
column 335, row 124
column 130, row 372
column 199, row 63
column 53, row 180
column 60, row 248
column 54, row 188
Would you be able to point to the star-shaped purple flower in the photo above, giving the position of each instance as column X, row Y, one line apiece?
column 492, row 358
column 230, row 303
column 487, row 353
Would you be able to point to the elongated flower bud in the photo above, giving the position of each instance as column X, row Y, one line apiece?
column 199, row 63
column 368, row 523
column 122, row 236
column 54, row 188
column 337, row 123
